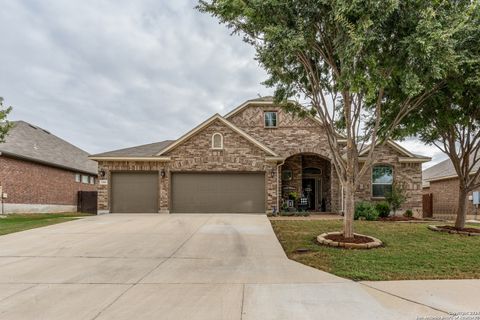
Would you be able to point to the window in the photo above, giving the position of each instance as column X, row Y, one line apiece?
column 92, row 180
column 382, row 180
column 270, row 119
column 217, row 141
column 77, row 177
column 84, row 179
column 311, row 171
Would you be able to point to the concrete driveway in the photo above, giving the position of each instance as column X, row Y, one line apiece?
column 177, row 267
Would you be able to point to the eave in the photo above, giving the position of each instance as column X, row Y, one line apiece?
column 153, row 159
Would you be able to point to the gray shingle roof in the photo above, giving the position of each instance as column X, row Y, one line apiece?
column 32, row 143
column 442, row 170
column 146, row 150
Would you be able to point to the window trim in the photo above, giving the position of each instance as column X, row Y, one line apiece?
column 221, row 141
column 265, row 122
column 382, row 184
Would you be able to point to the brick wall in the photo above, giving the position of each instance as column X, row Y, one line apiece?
column 445, row 197
column 32, row 183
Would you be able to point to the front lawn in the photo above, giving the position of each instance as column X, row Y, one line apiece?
column 19, row 222
column 411, row 251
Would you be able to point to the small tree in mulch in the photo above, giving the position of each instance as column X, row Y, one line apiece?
column 396, row 198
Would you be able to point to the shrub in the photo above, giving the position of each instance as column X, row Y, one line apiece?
column 396, row 197
column 408, row 213
column 383, row 209
column 365, row 210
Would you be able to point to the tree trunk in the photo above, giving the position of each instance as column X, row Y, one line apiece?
column 462, row 208
column 349, row 210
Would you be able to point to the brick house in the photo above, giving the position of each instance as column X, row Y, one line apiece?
column 441, row 182
column 42, row 173
column 250, row 160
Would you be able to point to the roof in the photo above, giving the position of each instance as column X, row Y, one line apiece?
column 145, row 150
column 443, row 170
column 32, row 143
column 408, row 155
column 156, row 151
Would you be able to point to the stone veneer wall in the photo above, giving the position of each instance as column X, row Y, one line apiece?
column 292, row 136
column 196, row 155
column 408, row 174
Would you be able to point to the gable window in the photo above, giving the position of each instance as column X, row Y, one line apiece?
column 217, row 141
column 382, row 180
column 270, row 118
column 85, row 179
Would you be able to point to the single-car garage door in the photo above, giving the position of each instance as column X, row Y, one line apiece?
column 218, row 192
column 134, row 192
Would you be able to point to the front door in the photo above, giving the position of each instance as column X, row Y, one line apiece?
column 309, row 191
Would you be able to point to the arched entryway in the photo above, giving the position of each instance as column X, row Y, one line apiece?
column 306, row 183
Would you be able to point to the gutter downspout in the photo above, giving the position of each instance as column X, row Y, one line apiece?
column 278, row 185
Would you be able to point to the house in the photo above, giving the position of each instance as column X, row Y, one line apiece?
column 441, row 182
column 39, row 172
column 253, row 159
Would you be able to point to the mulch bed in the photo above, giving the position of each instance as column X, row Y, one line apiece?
column 398, row 218
column 355, row 239
column 473, row 230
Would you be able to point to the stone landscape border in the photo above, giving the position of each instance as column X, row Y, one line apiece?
column 369, row 245
column 466, row 233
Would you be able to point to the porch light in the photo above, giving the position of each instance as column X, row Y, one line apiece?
column 272, row 173
column 162, row 173
column 101, row 173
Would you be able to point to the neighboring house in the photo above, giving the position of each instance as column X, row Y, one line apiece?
column 40, row 172
column 249, row 161
column 441, row 181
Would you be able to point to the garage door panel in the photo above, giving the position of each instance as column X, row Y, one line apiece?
column 218, row 192
column 134, row 192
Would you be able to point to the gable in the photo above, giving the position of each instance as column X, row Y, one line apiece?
column 201, row 138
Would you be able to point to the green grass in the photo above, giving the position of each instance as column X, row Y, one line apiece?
column 411, row 251
column 19, row 222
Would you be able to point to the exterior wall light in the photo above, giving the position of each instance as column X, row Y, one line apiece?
column 162, row 173
column 101, row 173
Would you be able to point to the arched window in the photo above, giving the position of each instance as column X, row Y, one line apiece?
column 217, row 141
column 382, row 180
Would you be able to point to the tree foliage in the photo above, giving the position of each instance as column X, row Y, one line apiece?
column 450, row 118
column 4, row 124
column 345, row 60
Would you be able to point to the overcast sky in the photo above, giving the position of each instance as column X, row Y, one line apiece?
column 105, row 75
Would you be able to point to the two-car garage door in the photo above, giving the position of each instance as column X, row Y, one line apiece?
column 218, row 192
column 190, row 192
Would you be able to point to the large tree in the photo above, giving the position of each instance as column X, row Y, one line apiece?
column 450, row 119
column 4, row 124
column 340, row 59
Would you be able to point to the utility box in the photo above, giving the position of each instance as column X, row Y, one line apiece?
column 476, row 198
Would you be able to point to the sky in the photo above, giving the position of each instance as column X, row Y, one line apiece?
column 105, row 75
